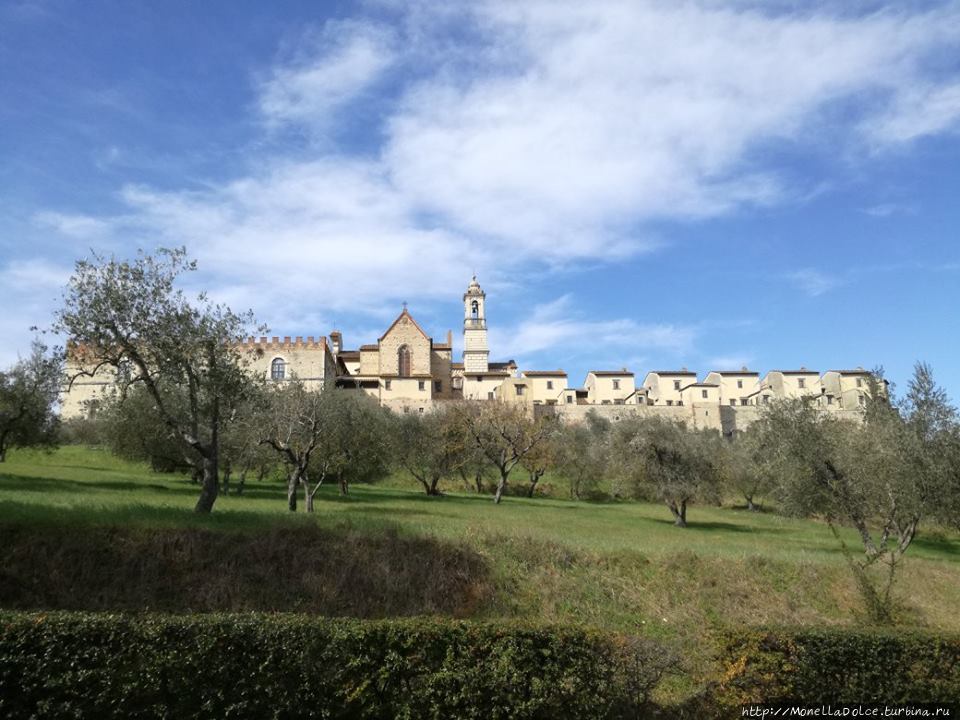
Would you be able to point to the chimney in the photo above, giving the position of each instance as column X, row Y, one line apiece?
column 450, row 338
column 336, row 341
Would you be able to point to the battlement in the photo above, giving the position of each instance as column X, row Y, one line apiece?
column 287, row 342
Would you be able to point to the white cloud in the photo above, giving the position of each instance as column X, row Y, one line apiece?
column 918, row 112
column 814, row 282
column 558, row 327
column 545, row 134
column 346, row 58
column 73, row 225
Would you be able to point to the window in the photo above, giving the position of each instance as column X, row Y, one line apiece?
column 676, row 384
column 478, row 378
column 829, row 399
column 766, row 399
column 616, row 384
column 859, row 382
column 740, row 384
column 406, row 410
column 863, row 400
column 618, row 402
column 569, row 399
column 732, row 401
column 519, row 389
column 669, row 402
column 422, row 385
column 490, row 395
column 278, row 369
column 475, row 309
column 403, row 361
column 420, row 410
column 744, row 401
column 437, row 386
column 704, row 394
column 549, row 384
column 605, row 402
column 801, row 383
column 386, row 384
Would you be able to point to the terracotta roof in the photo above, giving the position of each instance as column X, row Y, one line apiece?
column 456, row 366
column 608, row 373
column 508, row 363
column 499, row 373
column 858, row 371
column 797, row 372
column 441, row 346
column 369, row 347
column 544, row 373
column 703, row 384
column 349, row 354
column 733, row 372
column 672, row 372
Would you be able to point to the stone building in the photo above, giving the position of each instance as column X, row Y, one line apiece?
column 407, row 371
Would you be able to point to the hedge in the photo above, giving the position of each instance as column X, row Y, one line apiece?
column 838, row 665
column 73, row 665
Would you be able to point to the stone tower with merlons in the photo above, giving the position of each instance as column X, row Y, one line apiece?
column 476, row 352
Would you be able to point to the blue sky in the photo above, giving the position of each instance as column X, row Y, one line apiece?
column 644, row 184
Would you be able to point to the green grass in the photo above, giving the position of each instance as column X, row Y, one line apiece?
column 617, row 565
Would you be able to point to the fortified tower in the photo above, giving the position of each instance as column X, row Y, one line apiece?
column 475, row 349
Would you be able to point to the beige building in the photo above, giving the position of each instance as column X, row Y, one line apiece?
column 547, row 387
column 407, row 371
column 610, row 387
column 846, row 389
column 737, row 387
column 665, row 387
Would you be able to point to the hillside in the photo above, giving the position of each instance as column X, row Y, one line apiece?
column 80, row 529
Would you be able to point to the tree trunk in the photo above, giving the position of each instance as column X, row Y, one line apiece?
column 344, row 486
column 292, row 482
column 478, row 480
column 227, row 471
column 501, row 486
column 750, row 505
column 211, row 482
column 3, row 454
column 196, row 475
column 679, row 511
column 534, row 479
column 307, row 495
column 242, row 482
column 434, row 488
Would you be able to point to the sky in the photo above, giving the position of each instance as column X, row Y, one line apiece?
column 644, row 184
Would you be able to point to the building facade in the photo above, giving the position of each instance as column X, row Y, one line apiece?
column 408, row 372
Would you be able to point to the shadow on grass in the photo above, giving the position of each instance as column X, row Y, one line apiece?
column 24, row 483
column 714, row 526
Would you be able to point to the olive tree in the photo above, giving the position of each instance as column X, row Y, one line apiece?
column 747, row 468
column 129, row 315
column 583, row 454
column 430, row 447
column 665, row 458
column 504, row 434
column 29, row 391
column 880, row 476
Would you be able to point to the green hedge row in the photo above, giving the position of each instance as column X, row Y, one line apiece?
column 838, row 665
column 62, row 665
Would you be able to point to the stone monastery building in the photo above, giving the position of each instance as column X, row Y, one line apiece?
column 406, row 371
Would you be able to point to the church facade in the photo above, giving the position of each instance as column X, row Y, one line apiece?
column 407, row 371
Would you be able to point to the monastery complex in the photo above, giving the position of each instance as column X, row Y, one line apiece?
column 407, row 371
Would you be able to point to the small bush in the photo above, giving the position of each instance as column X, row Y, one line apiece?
column 838, row 666
column 286, row 666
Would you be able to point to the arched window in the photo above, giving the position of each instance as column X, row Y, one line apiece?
column 475, row 309
column 403, row 361
column 278, row 369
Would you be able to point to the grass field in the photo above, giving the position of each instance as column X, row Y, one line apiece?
column 621, row 566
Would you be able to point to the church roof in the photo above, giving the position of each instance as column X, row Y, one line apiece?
column 403, row 314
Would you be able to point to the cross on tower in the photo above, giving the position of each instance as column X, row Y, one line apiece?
column 404, row 304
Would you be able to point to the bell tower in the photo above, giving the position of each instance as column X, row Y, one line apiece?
column 475, row 350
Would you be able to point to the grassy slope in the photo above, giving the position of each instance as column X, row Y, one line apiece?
column 621, row 566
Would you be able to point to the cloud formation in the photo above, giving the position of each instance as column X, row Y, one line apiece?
column 545, row 135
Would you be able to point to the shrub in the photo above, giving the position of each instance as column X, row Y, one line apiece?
column 289, row 666
column 833, row 665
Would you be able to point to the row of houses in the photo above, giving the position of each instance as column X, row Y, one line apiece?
column 407, row 371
